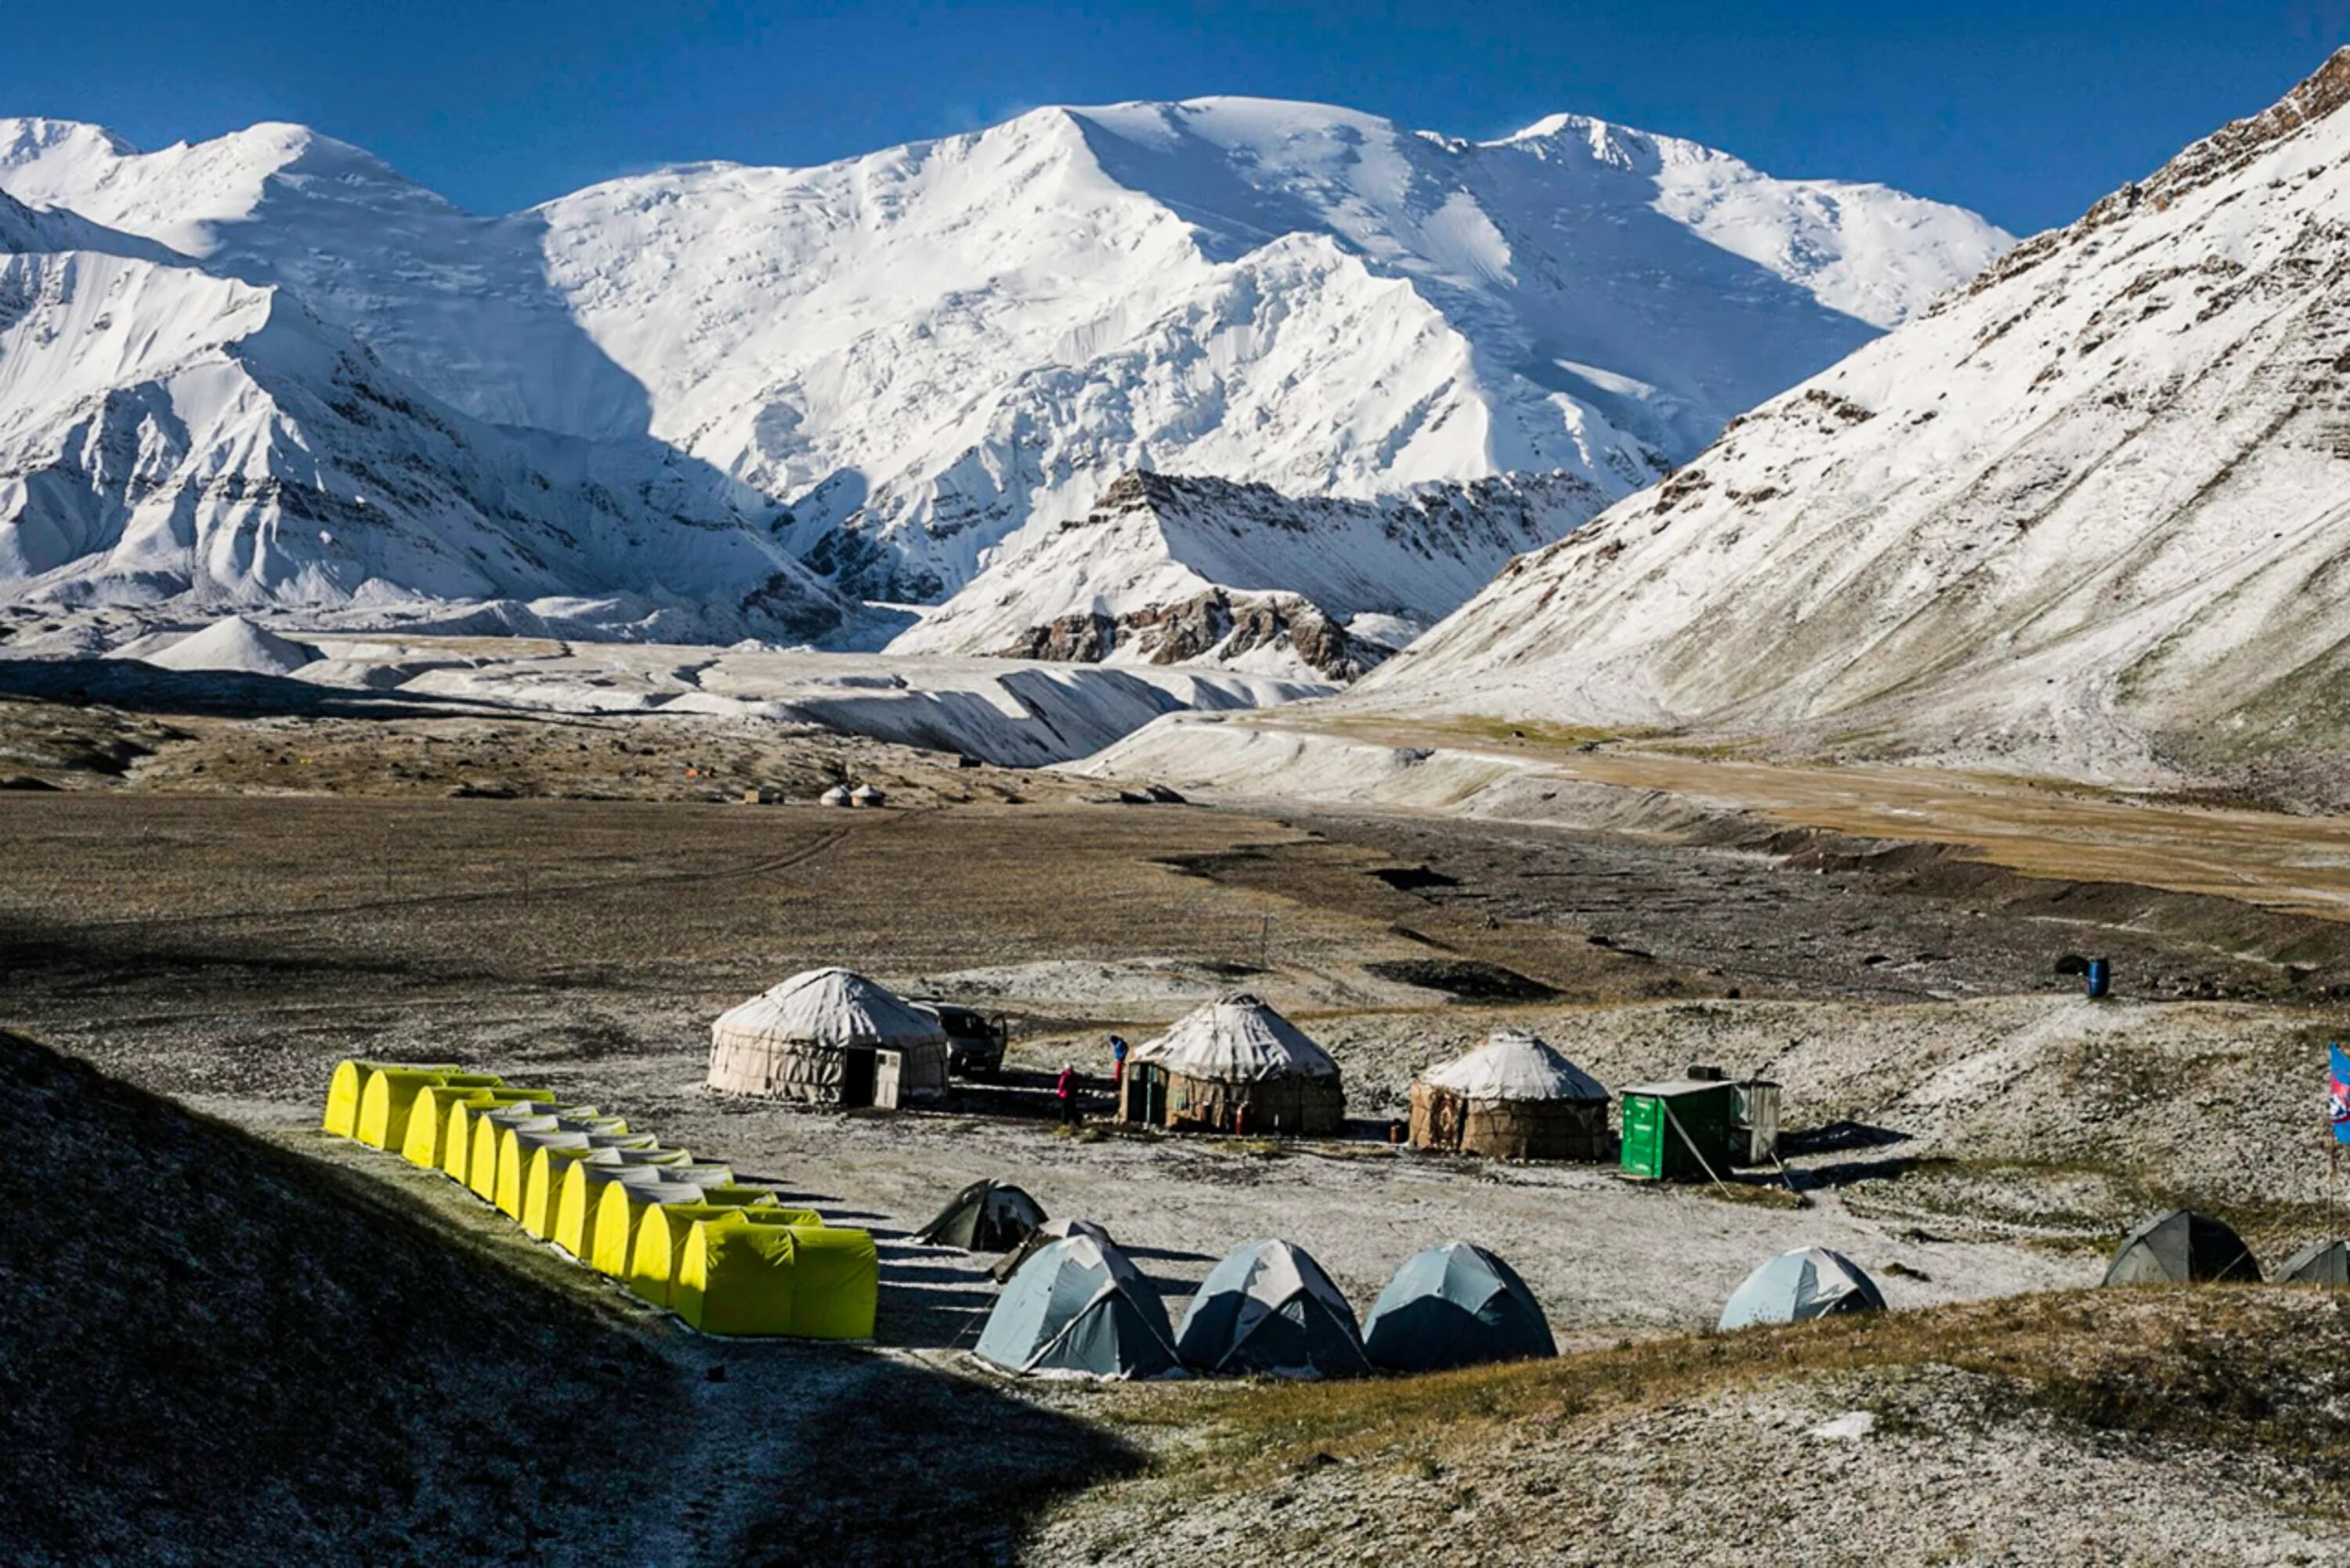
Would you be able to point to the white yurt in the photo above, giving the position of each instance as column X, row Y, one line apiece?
column 1234, row 1066
column 828, row 1037
column 1513, row 1098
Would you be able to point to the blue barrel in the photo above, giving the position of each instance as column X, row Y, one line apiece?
column 2101, row 978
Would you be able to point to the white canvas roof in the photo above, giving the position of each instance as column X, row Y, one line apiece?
column 1238, row 1039
column 833, row 1007
column 1512, row 1065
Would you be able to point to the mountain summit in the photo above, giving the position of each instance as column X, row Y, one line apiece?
column 904, row 358
column 2091, row 516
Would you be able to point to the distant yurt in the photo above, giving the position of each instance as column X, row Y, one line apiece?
column 1237, row 1066
column 837, row 796
column 865, row 795
column 1455, row 1306
column 1513, row 1098
column 1044, row 1236
column 2179, row 1247
column 2319, row 1263
column 1268, row 1310
column 1080, row 1309
column 1797, row 1286
column 988, row 1216
column 828, row 1037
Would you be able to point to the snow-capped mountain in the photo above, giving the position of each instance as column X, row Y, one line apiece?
column 921, row 351
column 2090, row 517
column 167, row 435
column 1168, row 570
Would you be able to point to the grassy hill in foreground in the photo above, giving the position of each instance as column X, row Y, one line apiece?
column 208, row 1343
column 215, row 1349
column 2145, row 1425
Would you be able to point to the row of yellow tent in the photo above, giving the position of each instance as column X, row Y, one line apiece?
column 681, row 1233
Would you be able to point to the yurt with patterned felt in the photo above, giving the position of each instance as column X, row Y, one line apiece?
column 1513, row 1098
column 1234, row 1066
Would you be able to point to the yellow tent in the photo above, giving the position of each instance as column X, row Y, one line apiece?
column 835, row 1284
column 662, row 1236
column 584, row 1182
column 390, row 1094
column 517, row 1143
column 343, row 1090
column 543, row 1168
column 750, row 1275
column 736, row 1278
column 516, row 1146
column 434, row 1112
column 465, row 1121
column 620, row 1209
column 482, row 1175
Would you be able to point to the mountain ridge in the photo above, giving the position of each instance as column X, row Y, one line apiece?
column 2087, row 517
column 919, row 361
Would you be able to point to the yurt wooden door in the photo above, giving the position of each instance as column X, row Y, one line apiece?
column 1147, row 1095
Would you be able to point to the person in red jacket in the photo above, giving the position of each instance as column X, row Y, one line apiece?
column 1067, row 1089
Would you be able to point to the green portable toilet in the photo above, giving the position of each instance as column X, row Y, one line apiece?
column 1663, row 1121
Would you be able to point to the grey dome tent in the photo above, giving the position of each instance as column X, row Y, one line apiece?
column 2319, row 1263
column 988, row 1216
column 1454, row 1305
column 1269, row 1308
column 1797, row 1286
column 1044, row 1236
column 2179, row 1247
column 1078, row 1309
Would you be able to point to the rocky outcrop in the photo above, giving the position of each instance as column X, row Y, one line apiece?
column 1215, row 627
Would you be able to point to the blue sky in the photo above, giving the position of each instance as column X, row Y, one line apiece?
column 2026, row 112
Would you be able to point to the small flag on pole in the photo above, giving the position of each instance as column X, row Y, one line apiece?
column 2337, row 1091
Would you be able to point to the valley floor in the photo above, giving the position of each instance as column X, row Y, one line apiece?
column 1964, row 1126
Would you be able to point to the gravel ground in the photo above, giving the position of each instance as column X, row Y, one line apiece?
column 227, row 947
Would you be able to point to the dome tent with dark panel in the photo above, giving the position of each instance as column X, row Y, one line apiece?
column 2181, row 1247
column 1269, row 1309
column 1234, row 1066
column 1044, row 1236
column 1454, row 1305
column 988, row 1216
column 1513, row 1098
column 2319, row 1263
column 828, row 1037
column 1080, row 1309
column 1797, row 1286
